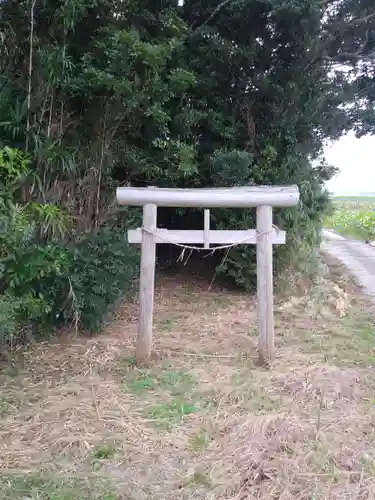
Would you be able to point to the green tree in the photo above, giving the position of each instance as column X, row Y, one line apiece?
column 189, row 94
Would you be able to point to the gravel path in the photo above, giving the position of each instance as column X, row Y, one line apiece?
column 358, row 257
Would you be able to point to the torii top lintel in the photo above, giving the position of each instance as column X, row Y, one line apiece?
column 245, row 196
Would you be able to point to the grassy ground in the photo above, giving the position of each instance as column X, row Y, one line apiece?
column 353, row 217
column 79, row 421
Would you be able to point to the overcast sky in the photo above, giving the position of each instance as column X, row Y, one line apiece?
column 356, row 160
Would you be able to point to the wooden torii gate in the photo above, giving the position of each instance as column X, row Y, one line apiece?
column 264, row 198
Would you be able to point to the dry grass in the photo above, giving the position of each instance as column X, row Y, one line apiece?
column 204, row 422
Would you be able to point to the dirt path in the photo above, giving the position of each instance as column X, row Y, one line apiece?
column 358, row 257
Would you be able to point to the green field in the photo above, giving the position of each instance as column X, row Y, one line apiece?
column 353, row 216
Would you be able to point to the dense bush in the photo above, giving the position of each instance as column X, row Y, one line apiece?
column 103, row 269
column 45, row 279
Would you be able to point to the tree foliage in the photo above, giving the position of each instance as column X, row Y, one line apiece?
column 98, row 93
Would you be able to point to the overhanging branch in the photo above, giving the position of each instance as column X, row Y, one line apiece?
column 360, row 20
column 216, row 11
column 351, row 56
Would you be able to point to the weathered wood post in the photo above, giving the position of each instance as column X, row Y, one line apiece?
column 146, row 285
column 265, row 284
column 265, row 236
column 206, row 229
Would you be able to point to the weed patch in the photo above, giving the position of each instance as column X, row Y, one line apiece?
column 200, row 479
column 199, row 441
column 168, row 414
column 175, row 383
column 43, row 487
column 6, row 406
column 102, row 453
column 144, row 382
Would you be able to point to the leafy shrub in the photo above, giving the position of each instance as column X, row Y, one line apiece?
column 103, row 269
column 77, row 283
column 46, row 278
column 9, row 325
column 301, row 223
column 237, row 264
column 27, row 258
